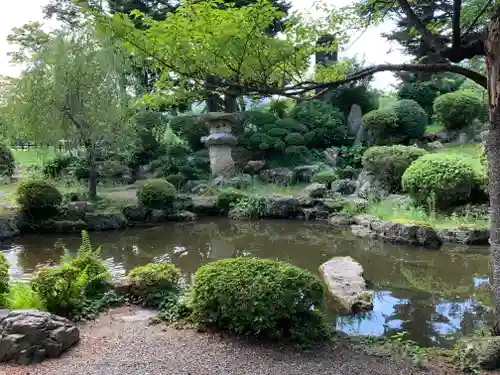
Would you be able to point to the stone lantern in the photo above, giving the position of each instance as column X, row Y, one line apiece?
column 220, row 141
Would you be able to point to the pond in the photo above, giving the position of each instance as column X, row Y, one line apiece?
column 435, row 296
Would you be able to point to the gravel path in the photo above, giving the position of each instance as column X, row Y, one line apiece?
column 120, row 342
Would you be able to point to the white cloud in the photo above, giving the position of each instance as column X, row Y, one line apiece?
column 371, row 45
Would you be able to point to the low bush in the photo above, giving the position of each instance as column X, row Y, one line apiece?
column 38, row 198
column 380, row 126
column 325, row 177
column 424, row 93
column 190, row 129
column 294, row 139
column 21, row 296
column 56, row 166
column 251, row 206
column 156, row 193
column 440, row 180
column 411, row 119
column 456, row 110
column 388, row 163
column 4, row 274
column 259, row 297
column 228, row 197
column 154, row 282
column 177, row 180
column 64, row 289
column 7, row 162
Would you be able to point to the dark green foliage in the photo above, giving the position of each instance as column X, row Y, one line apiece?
column 344, row 98
column 260, row 119
column 7, row 162
column 260, row 297
column 156, row 194
column 177, row 180
column 38, row 198
column 252, row 206
column 149, row 126
column 325, row 177
column 456, row 110
column 4, row 275
column 292, row 126
column 294, row 139
column 388, row 163
column 63, row 288
column 229, row 197
column 440, row 181
column 380, row 126
column 424, row 93
column 180, row 160
column 279, row 132
column 55, row 167
column 411, row 119
column 279, row 108
column 297, row 153
column 153, row 282
column 190, row 129
column 350, row 156
column 324, row 120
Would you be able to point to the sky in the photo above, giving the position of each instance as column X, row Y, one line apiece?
column 371, row 45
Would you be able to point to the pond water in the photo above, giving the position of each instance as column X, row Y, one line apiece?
column 436, row 296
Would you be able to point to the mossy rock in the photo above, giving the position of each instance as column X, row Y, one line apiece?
column 63, row 226
column 103, row 221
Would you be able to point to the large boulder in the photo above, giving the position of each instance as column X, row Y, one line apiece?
column 465, row 236
column 204, row 205
column 368, row 187
column 102, row 221
column 30, row 336
column 281, row 207
column 237, row 182
column 8, row 228
column 305, row 173
column 315, row 190
column 281, row 176
column 254, row 166
column 478, row 352
column 344, row 278
column 345, row 186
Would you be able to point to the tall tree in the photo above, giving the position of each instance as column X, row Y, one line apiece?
column 74, row 89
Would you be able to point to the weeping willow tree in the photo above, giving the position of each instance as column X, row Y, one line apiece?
column 74, row 89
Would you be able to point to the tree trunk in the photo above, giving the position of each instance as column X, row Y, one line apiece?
column 492, row 149
column 92, row 164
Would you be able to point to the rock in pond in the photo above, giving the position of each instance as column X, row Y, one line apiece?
column 204, row 205
column 281, row 207
column 30, row 336
column 102, row 221
column 344, row 278
column 465, row 236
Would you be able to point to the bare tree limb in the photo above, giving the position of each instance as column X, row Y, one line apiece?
column 455, row 23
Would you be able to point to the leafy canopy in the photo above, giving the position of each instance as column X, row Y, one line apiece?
column 203, row 39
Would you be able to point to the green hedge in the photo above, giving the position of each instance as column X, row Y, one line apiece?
column 456, row 110
column 156, row 194
column 439, row 180
column 259, row 297
column 388, row 163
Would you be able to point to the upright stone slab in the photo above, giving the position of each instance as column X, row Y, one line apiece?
column 354, row 120
column 220, row 141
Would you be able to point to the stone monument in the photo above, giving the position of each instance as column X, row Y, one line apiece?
column 220, row 141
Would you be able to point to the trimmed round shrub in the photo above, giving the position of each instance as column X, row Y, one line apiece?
column 424, row 93
column 389, row 163
column 177, row 180
column 4, row 275
column 280, row 145
column 156, row 193
column 54, row 168
column 38, row 197
column 325, row 177
column 294, row 139
column 297, row 152
column 440, row 180
column 380, row 126
column 7, row 162
column 411, row 119
column 457, row 110
column 154, row 281
column 260, row 297
column 228, row 197
column 291, row 125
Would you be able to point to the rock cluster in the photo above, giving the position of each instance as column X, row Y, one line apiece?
column 30, row 336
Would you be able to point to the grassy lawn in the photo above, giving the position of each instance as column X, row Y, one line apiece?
column 403, row 213
column 433, row 128
column 471, row 151
column 270, row 189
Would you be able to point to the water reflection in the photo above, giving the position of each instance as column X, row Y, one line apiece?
column 434, row 296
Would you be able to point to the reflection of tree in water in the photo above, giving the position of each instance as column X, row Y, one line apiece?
column 435, row 307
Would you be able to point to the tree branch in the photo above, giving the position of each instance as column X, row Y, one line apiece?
column 476, row 19
column 455, row 23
